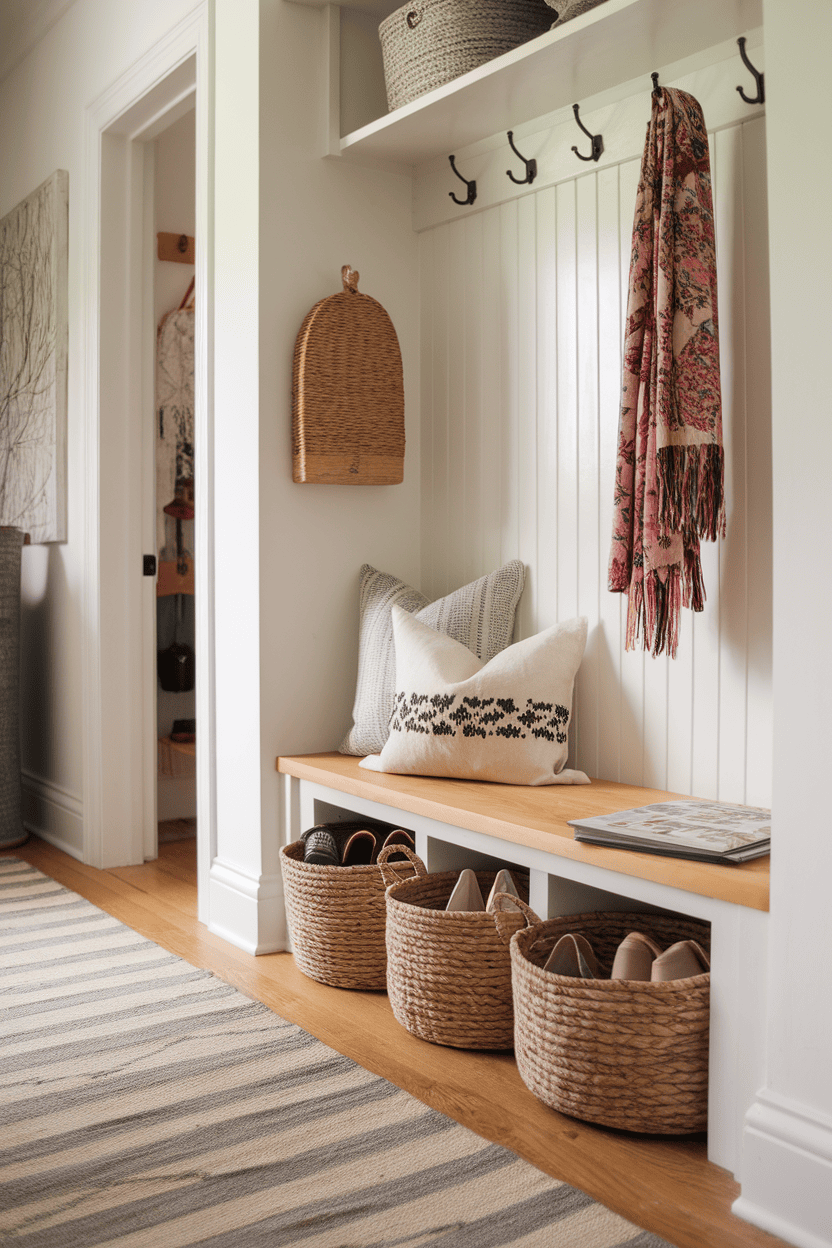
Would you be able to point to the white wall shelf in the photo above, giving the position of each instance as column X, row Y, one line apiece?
column 619, row 40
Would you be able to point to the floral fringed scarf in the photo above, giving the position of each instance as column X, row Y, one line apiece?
column 669, row 473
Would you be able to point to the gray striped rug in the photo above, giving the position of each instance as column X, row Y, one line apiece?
column 147, row 1103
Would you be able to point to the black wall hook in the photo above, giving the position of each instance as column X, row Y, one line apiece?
column 656, row 87
column 760, row 97
column 531, row 165
column 597, row 140
column 472, row 186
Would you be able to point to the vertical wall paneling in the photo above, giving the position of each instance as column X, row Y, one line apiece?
column 733, row 610
column 525, row 321
column 427, row 243
column 609, row 638
column 489, row 518
column 508, row 311
column 527, row 408
column 588, row 533
column 546, row 486
column 632, row 661
column 458, row 531
column 472, row 285
column 759, row 722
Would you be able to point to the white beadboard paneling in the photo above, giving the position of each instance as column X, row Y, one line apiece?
column 527, row 301
column 759, row 721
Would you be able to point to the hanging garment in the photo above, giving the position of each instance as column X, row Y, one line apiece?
column 669, row 472
column 174, row 415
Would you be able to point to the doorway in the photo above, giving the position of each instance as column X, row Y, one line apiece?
column 120, row 725
column 174, row 303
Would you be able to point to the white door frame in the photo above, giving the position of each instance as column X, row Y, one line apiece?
column 119, row 726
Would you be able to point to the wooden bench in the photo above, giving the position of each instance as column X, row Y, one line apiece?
column 460, row 823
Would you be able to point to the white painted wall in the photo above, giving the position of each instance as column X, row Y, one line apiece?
column 523, row 305
column 787, row 1170
column 42, row 128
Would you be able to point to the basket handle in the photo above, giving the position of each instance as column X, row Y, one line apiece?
column 502, row 916
column 390, row 870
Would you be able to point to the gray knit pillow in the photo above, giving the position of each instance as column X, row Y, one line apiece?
column 480, row 615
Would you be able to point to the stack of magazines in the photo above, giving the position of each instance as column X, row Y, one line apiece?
column 704, row 831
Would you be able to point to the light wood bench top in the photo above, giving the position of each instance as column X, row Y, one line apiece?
column 536, row 818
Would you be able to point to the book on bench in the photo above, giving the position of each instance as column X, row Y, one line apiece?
column 703, row 831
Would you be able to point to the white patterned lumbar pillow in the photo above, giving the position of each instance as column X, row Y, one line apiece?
column 479, row 615
column 504, row 720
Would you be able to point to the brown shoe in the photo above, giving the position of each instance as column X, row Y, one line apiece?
column 681, row 961
column 397, row 837
column 573, row 955
column 634, row 957
column 359, row 849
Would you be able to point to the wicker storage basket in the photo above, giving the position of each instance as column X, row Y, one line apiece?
column 449, row 973
column 347, row 393
column 429, row 42
column 626, row 1054
column 336, row 918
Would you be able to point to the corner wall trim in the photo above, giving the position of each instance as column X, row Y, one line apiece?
column 246, row 910
column 787, row 1171
column 53, row 813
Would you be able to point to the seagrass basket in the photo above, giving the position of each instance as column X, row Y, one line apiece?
column 347, row 393
column 336, row 918
column 429, row 42
column 449, row 973
column 621, row 1053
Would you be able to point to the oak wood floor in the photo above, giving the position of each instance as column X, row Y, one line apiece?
column 664, row 1185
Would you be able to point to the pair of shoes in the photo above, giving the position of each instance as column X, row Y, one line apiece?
column 573, row 955
column 467, row 895
column 638, row 957
column 351, row 844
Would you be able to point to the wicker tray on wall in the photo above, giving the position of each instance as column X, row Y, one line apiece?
column 348, row 393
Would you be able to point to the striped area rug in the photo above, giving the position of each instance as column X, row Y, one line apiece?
column 146, row 1103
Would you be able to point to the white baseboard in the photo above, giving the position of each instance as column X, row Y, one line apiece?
column 787, row 1171
column 246, row 910
column 53, row 813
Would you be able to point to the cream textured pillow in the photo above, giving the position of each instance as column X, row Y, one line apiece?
column 505, row 720
column 479, row 615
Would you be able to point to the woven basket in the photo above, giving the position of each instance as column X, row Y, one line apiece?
column 348, row 393
column 622, row 1053
column 449, row 973
column 336, row 918
column 429, row 42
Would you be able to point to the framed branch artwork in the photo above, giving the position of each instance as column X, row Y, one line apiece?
column 33, row 362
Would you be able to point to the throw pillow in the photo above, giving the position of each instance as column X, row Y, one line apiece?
column 504, row 720
column 479, row 615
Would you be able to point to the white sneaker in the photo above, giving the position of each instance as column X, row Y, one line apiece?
column 503, row 884
column 466, row 894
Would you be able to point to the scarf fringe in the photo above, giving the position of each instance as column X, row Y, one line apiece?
column 691, row 490
column 653, row 607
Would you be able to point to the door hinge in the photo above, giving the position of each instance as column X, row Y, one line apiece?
column 148, row 565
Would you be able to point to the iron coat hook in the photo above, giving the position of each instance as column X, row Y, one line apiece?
column 760, row 97
column 597, row 140
column 471, row 186
column 531, row 165
column 656, row 87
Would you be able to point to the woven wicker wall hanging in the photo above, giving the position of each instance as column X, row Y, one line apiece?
column 348, row 393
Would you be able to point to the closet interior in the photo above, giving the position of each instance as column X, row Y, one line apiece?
column 174, row 301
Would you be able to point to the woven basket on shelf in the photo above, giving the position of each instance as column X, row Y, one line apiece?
column 348, row 393
column 449, row 973
column 618, row 1052
column 429, row 42
column 336, row 918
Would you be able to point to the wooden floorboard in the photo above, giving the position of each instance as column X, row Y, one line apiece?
column 664, row 1185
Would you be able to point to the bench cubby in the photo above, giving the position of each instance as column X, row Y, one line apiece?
column 463, row 823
